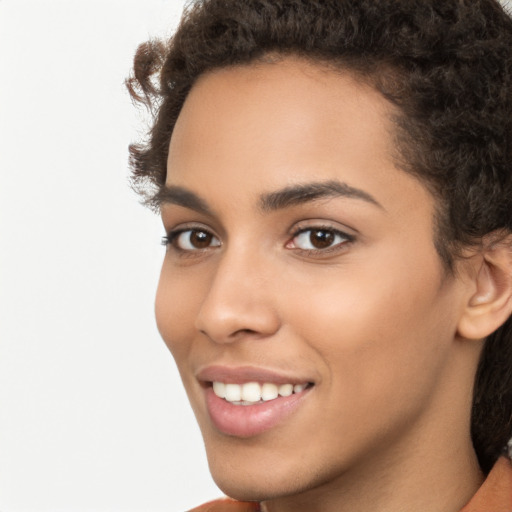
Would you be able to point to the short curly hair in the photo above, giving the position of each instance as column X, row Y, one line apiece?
column 446, row 65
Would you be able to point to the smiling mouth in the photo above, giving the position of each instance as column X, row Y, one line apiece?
column 246, row 402
column 253, row 393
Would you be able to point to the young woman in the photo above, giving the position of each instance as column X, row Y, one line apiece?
column 335, row 181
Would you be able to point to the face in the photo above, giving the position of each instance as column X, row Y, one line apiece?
column 301, row 294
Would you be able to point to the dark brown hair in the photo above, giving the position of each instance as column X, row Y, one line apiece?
column 446, row 65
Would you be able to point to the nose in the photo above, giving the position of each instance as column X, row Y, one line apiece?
column 240, row 302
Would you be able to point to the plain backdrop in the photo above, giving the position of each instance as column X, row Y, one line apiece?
column 92, row 412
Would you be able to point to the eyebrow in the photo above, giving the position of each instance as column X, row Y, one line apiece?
column 272, row 201
column 298, row 194
column 181, row 196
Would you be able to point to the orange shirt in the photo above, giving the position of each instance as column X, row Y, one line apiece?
column 495, row 495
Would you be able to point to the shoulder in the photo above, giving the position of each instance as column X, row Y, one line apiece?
column 227, row 505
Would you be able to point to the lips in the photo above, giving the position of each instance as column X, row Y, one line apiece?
column 247, row 401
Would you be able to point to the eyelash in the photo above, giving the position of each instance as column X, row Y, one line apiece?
column 172, row 237
column 346, row 239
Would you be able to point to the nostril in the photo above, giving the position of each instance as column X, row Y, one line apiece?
column 244, row 331
column 240, row 333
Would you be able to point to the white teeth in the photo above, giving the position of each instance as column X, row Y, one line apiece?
column 219, row 388
column 233, row 392
column 252, row 392
column 269, row 391
column 286, row 389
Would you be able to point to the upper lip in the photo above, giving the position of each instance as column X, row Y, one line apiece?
column 243, row 374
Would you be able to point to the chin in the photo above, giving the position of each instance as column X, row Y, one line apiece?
column 252, row 478
column 243, row 480
column 244, row 486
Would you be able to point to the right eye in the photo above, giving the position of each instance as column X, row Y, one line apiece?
column 195, row 239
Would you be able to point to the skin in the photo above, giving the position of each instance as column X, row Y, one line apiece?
column 372, row 320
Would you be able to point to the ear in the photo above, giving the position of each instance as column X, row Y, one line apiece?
column 490, row 301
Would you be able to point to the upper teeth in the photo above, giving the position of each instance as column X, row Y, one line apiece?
column 252, row 392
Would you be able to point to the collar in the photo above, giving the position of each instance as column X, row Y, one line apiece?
column 495, row 494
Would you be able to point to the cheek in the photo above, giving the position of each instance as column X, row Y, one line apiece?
column 176, row 303
column 381, row 335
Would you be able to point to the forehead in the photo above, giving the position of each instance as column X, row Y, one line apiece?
column 266, row 126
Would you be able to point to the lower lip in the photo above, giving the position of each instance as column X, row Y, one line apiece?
column 251, row 420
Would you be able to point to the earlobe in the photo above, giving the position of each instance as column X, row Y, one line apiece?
column 490, row 303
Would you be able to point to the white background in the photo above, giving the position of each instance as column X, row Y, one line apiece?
column 92, row 412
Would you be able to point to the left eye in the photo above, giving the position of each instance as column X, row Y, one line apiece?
column 318, row 239
column 192, row 240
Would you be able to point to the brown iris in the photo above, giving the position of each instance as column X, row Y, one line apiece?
column 321, row 239
column 200, row 239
